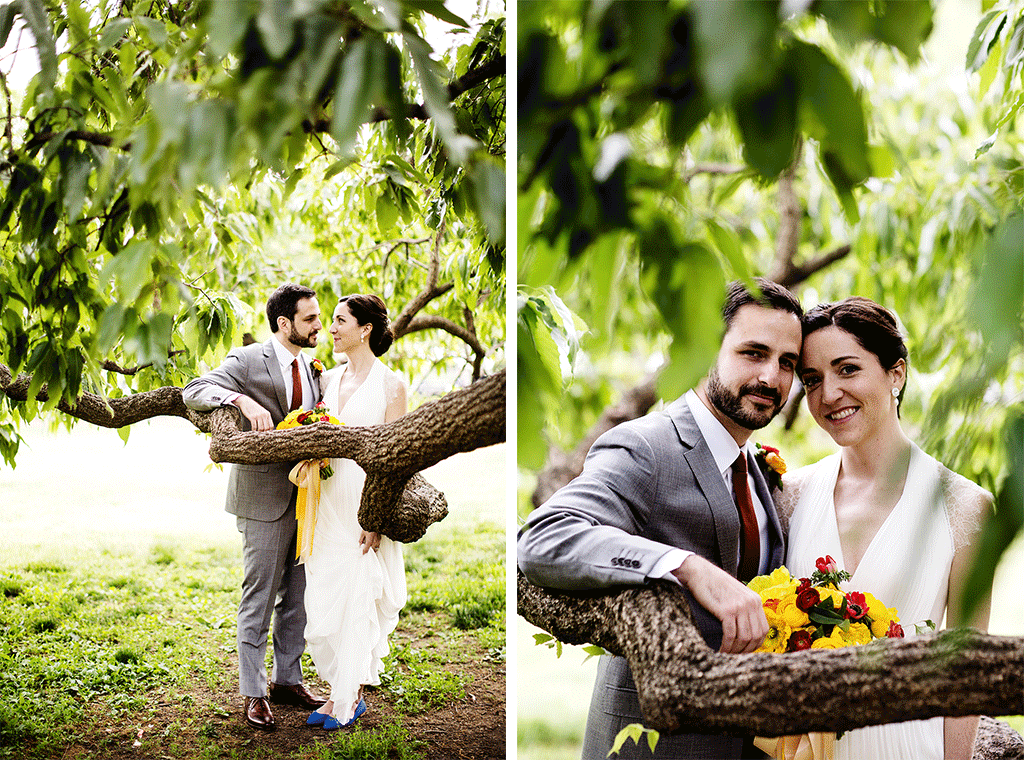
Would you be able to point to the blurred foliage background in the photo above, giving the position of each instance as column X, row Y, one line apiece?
column 837, row 146
column 169, row 164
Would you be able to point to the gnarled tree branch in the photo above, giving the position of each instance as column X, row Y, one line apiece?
column 685, row 687
column 396, row 501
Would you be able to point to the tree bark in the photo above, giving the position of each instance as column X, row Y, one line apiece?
column 685, row 687
column 396, row 501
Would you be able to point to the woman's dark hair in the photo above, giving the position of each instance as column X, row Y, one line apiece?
column 369, row 309
column 284, row 302
column 873, row 326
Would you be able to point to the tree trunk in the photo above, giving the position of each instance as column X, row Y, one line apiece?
column 395, row 502
column 685, row 687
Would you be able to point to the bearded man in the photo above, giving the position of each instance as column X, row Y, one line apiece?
column 678, row 495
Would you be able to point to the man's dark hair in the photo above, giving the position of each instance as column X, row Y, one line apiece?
column 284, row 302
column 772, row 296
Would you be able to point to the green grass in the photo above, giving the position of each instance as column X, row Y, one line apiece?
column 109, row 629
column 389, row 741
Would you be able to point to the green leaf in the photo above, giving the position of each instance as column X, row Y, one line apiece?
column 768, row 125
column 435, row 96
column 831, row 112
column 359, row 86
column 592, row 650
column 736, row 63
column 76, row 185
column 38, row 21
column 277, row 26
column 152, row 30
column 7, row 13
column 686, row 283
column 112, row 34
column 386, row 211
column 487, row 182
column 904, row 24
column 227, row 23
column 437, row 9
column 981, row 41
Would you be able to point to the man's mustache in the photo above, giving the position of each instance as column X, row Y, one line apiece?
column 762, row 390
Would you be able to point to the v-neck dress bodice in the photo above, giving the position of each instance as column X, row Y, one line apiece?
column 906, row 565
column 352, row 599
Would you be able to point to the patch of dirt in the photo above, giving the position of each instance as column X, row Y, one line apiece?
column 182, row 724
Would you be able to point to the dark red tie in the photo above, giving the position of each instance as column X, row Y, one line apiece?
column 296, row 387
column 750, row 536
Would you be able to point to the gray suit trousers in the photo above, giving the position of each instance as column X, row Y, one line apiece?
column 615, row 705
column 272, row 584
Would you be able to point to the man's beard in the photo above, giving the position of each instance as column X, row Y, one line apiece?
column 307, row 341
column 731, row 404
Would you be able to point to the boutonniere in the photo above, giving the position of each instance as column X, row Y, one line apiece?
column 317, row 366
column 772, row 465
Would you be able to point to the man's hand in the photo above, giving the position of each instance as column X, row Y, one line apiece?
column 259, row 418
column 369, row 540
column 744, row 625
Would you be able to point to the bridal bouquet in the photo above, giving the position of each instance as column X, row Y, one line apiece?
column 301, row 417
column 813, row 613
column 307, row 502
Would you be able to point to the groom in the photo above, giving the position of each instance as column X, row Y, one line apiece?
column 678, row 495
column 266, row 381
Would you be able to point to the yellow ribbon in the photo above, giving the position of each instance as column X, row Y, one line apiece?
column 306, row 475
column 812, row 746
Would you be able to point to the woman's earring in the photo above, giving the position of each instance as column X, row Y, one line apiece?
column 895, row 392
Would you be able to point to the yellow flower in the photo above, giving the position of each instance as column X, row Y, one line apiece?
column 792, row 615
column 836, row 640
column 828, row 592
column 774, row 586
column 776, row 462
column 880, row 616
column 776, row 640
column 859, row 633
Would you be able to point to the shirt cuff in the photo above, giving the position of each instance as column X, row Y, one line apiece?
column 663, row 568
column 230, row 400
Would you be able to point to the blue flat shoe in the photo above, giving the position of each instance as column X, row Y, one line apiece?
column 316, row 718
column 332, row 723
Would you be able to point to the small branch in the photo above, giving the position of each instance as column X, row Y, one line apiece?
column 720, row 169
column 113, row 367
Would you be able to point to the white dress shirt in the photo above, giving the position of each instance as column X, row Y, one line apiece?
column 724, row 449
column 285, row 359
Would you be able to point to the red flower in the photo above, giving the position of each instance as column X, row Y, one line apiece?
column 769, row 449
column 807, row 598
column 799, row 641
column 895, row 630
column 772, row 604
column 325, row 418
column 856, row 606
column 805, row 583
column 826, row 564
column 303, row 418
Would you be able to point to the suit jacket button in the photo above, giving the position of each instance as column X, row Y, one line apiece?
column 636, row 563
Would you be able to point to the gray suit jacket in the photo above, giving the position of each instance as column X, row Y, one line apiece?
column 255, row 491
column 648, row 486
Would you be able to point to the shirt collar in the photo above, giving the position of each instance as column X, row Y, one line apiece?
column 722, row 445
column 284, row 356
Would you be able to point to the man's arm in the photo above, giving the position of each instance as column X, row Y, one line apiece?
column 223, row 386
column 586, row 536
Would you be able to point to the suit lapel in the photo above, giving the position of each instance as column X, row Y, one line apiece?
column 712, row 486
column 776, row 538
column 276, row 376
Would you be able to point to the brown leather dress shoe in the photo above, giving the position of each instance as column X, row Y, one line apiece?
column 294, row 694
column 257, row 713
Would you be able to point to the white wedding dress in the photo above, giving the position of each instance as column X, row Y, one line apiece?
column 352, row 599
column 905, row 566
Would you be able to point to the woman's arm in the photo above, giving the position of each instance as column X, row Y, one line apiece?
column 960, row 733
column 396, row 398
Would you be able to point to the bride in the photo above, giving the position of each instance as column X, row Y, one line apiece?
column 893, row 517
column 355, row 580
